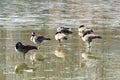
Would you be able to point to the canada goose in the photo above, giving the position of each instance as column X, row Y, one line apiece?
column 87, row 37
column 59, row 36
column 82, row 29
column 38, row 39
column 64, row 30
column 24, row 48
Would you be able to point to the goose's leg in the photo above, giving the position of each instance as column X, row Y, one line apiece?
column 24, row 57
column 60, row 43
column 89, row 44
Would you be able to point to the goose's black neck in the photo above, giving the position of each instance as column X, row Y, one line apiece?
column 88, row 32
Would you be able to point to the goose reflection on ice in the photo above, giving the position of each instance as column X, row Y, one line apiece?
column 37, row 57
column 59, row 53
column 20, row 68
column 87, row 59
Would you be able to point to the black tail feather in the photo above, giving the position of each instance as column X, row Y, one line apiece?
column 47, row 39
column 32, row 47
column 99, row 37
column 65, row 38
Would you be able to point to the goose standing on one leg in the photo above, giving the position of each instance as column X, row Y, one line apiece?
column 38, row 39
column 59, row 36
column 24, row 48
column 87, row 37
